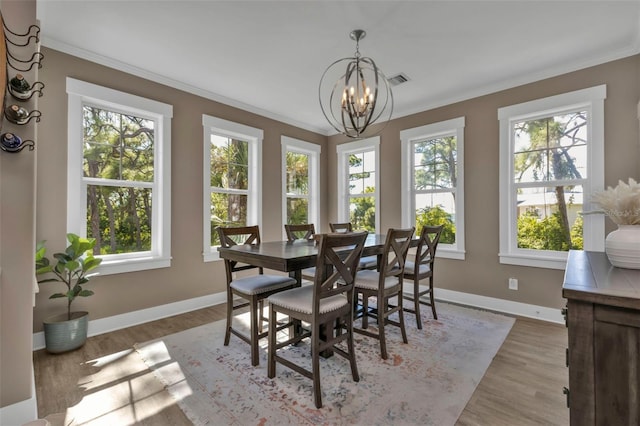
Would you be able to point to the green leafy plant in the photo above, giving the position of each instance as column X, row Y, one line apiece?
column 71, row 267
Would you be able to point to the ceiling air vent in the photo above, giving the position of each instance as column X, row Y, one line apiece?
column 397, row 79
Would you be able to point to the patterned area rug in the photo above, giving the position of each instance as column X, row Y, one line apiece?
column 427, row 381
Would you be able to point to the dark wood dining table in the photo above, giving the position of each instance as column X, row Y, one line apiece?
column 290, row 256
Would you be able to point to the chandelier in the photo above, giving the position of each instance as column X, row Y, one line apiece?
column 354, row 93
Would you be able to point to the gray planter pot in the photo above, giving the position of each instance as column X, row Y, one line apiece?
column 63, row 335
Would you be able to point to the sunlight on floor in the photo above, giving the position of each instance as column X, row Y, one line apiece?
column 121, row 390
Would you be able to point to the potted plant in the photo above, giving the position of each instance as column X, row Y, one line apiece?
column 67, row 331
column 622, row 205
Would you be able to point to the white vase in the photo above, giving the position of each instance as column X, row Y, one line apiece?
column 623, row 247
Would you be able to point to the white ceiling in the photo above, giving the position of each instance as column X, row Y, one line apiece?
column 268, row 56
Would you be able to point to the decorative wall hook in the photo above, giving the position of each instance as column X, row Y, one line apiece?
column 33, row 28
column 15, row 63
column 10, row 142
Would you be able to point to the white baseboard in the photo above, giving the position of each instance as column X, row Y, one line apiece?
column 117, row 322
column 500, row 305
column 21, row 412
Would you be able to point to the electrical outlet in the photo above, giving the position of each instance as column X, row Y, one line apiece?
column 513, row 283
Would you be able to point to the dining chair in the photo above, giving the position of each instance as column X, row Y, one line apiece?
column 254, row 289
column 425, row 260
column 367, row 262
column 384, row 285
column 327, row 304
column 304, row 231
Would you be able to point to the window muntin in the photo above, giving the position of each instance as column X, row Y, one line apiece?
column 118, row 186
column 551, row 159
column 433, row 181
column 231, row 185
column 358, row 184
column 300, row 182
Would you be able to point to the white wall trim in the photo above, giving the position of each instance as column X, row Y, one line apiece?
column 129, row 319
column 21, row 412
column 542, row 313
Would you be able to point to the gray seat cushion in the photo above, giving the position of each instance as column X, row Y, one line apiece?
column 368, row 262
column 263, row 283
column 301, row 300
column 409, row 268
column 368, row 279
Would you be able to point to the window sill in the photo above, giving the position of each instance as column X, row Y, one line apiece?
column 211, row 256
column 110, row 267
column 450, row 253
column 558, row 261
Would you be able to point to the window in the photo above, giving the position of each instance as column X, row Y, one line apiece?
column 551, row 159
column 359, row 183
column 300, row 182
column 118, row 179
column 232, row 158
column 433, row 182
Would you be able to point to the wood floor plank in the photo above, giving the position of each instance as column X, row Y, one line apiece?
column 522, row 386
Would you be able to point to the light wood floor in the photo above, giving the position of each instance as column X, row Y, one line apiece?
column 523, row 385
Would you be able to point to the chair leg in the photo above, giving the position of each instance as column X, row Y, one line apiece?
column 433, row 300
column 271, row 356
column 382, row 319
column 416, row 302
column 365, row 311
column 255, row 312
column 227, row 334
column 401, row 318
column 352, row 354
column 315, row 362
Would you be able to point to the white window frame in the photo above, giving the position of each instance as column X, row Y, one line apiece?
column 213, row 125
column 453, row 127
column 313, row 198
column 81, row 93
column 344, row 151
column 591, row 100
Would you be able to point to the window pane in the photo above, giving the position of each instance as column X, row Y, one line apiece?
column 546, row 224
column 435, row 163
column 229, row 163
column 117, row 146
column 297, row 173
column 552, row 148
column 297, row 211
column 119, row 219
column 362, row 177
column 437, row 209
column 227, row 210
column 362, row 213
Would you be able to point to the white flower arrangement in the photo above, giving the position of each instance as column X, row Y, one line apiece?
column 622, row 203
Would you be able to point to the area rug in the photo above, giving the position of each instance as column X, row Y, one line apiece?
column 425, row 382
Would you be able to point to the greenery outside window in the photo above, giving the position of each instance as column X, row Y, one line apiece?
column 232, row 154
column 433, row 182
column 359, row 183
column 551, row 152
column 118, row 181
column 300, row 182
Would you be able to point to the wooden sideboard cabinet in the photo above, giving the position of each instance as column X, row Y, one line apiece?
column 603, row 316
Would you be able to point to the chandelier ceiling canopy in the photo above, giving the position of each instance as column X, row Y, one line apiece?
column 354, row 93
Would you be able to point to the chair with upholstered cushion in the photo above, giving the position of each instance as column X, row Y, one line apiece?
column 425, row 260
column 327, row 305
column 304, row 231
column 367, row 262
column 384, row 285
column 252, row 289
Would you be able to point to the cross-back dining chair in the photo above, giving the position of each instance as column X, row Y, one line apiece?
column 252, row 289
column 421, row 269
column 304, row 231
column 328, row 303
column 384, row 285
column 367, row 262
